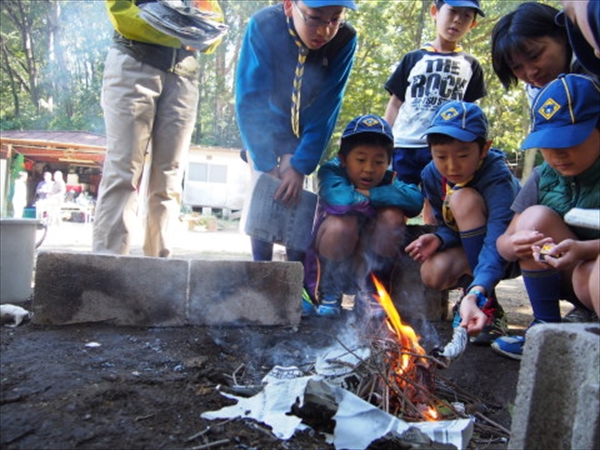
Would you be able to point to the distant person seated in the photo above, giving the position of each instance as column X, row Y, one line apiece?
column 44, row 187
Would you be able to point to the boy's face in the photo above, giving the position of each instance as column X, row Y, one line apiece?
column 315, row 26
column 365, row 165
column 543, row 60
column 453, row 23
column 573, row 161
column 458, row 161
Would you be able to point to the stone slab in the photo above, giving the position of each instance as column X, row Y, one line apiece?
column 557, row 403
column 245, row 293
column 138, row 291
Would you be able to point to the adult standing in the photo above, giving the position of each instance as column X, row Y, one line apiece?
column 150, row 99
column 294, row 64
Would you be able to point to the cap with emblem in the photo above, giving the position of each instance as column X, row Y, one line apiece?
column 461, row 120
column 368, row 124
column 564, row 113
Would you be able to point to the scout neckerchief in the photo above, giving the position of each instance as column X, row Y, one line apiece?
column 297, row 87
column 448, row 191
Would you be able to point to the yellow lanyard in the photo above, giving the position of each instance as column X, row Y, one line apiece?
column 298, row 74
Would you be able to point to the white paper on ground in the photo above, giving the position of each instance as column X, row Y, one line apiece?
column 358, row 423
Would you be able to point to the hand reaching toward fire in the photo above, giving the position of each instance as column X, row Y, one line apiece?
column 472, row 318
column 423, row 247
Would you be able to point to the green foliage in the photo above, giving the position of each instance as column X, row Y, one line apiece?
column 54, row 50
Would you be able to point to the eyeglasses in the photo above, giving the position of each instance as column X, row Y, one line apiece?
column 317, row 22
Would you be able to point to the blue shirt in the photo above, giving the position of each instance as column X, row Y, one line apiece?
column 264, row 91
column 498, row 187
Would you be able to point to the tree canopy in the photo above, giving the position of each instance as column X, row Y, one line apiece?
column 53, row 55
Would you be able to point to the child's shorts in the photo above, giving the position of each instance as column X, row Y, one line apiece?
column 409, row 162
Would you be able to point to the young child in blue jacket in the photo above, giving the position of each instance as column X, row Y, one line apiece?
column 565, row 126
column 294, row 64
column 360, row 222
column 470, row 188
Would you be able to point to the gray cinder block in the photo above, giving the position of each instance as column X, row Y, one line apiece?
column 245, row 292
column 557, row 403
column 123, row 290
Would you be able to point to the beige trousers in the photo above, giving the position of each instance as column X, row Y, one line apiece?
column 145, row 110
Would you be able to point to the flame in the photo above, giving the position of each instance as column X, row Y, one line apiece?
column 405, row 334
column 431, row 414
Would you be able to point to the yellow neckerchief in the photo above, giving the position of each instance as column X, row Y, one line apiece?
column 448, row 191
column 430, row 48
column 298, row 74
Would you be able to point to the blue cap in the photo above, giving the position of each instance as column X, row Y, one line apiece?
column 466, row 4
column 322, row 3
column 564, row 113
column 368, row 124
column 461, row 120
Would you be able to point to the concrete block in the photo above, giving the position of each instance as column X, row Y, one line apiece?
column 138, row 291
column 557, row 404
column 245, row 292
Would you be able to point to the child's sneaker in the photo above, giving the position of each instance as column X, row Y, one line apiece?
column 580, row 314
column 308, row 307
column 329, row 306
column 496, row 325
column 511, row 346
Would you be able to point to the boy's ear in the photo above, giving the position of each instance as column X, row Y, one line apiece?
column 433, row 11
column 473, row 24
column 342, row 159
column 486, row 149
column 287, row 7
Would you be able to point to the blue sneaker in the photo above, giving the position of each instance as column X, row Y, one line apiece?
column 511, row 346
column 308, row 307
column 330, row 306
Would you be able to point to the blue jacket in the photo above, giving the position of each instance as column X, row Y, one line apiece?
column 498, row 187
column 336, row 190
column 264, row 91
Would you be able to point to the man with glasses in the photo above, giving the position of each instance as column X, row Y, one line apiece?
column 294, row 64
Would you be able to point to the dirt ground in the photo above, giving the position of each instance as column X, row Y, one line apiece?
column 96, row 386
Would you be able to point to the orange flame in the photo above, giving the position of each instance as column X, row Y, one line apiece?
column 405, row 334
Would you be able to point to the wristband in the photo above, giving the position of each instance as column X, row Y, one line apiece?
column 481, row 299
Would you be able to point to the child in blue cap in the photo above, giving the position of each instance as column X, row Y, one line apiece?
column 293, row 68
column 470, row 189
column 424, row 79
column 359, row 227
column 565, row 126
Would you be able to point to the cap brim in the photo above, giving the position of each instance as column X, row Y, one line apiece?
column 466, row 4
column 456, row 133
column 379, row 133
column 323, row 3
column 560, row 137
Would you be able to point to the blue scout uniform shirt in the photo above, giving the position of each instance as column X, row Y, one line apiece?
column 264, row 91
column 498, row 187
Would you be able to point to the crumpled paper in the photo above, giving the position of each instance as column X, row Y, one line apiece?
column 358, row 423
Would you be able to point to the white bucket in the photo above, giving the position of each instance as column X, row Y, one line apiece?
column 17, row 251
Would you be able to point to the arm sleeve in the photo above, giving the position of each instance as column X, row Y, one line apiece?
column 476, row 88
column 124, row 16
column 254, row 81
column 405, row 196
column 498, row 196
column 319, row 119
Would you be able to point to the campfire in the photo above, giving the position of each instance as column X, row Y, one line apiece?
column 398, row 376
column 384, row 378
